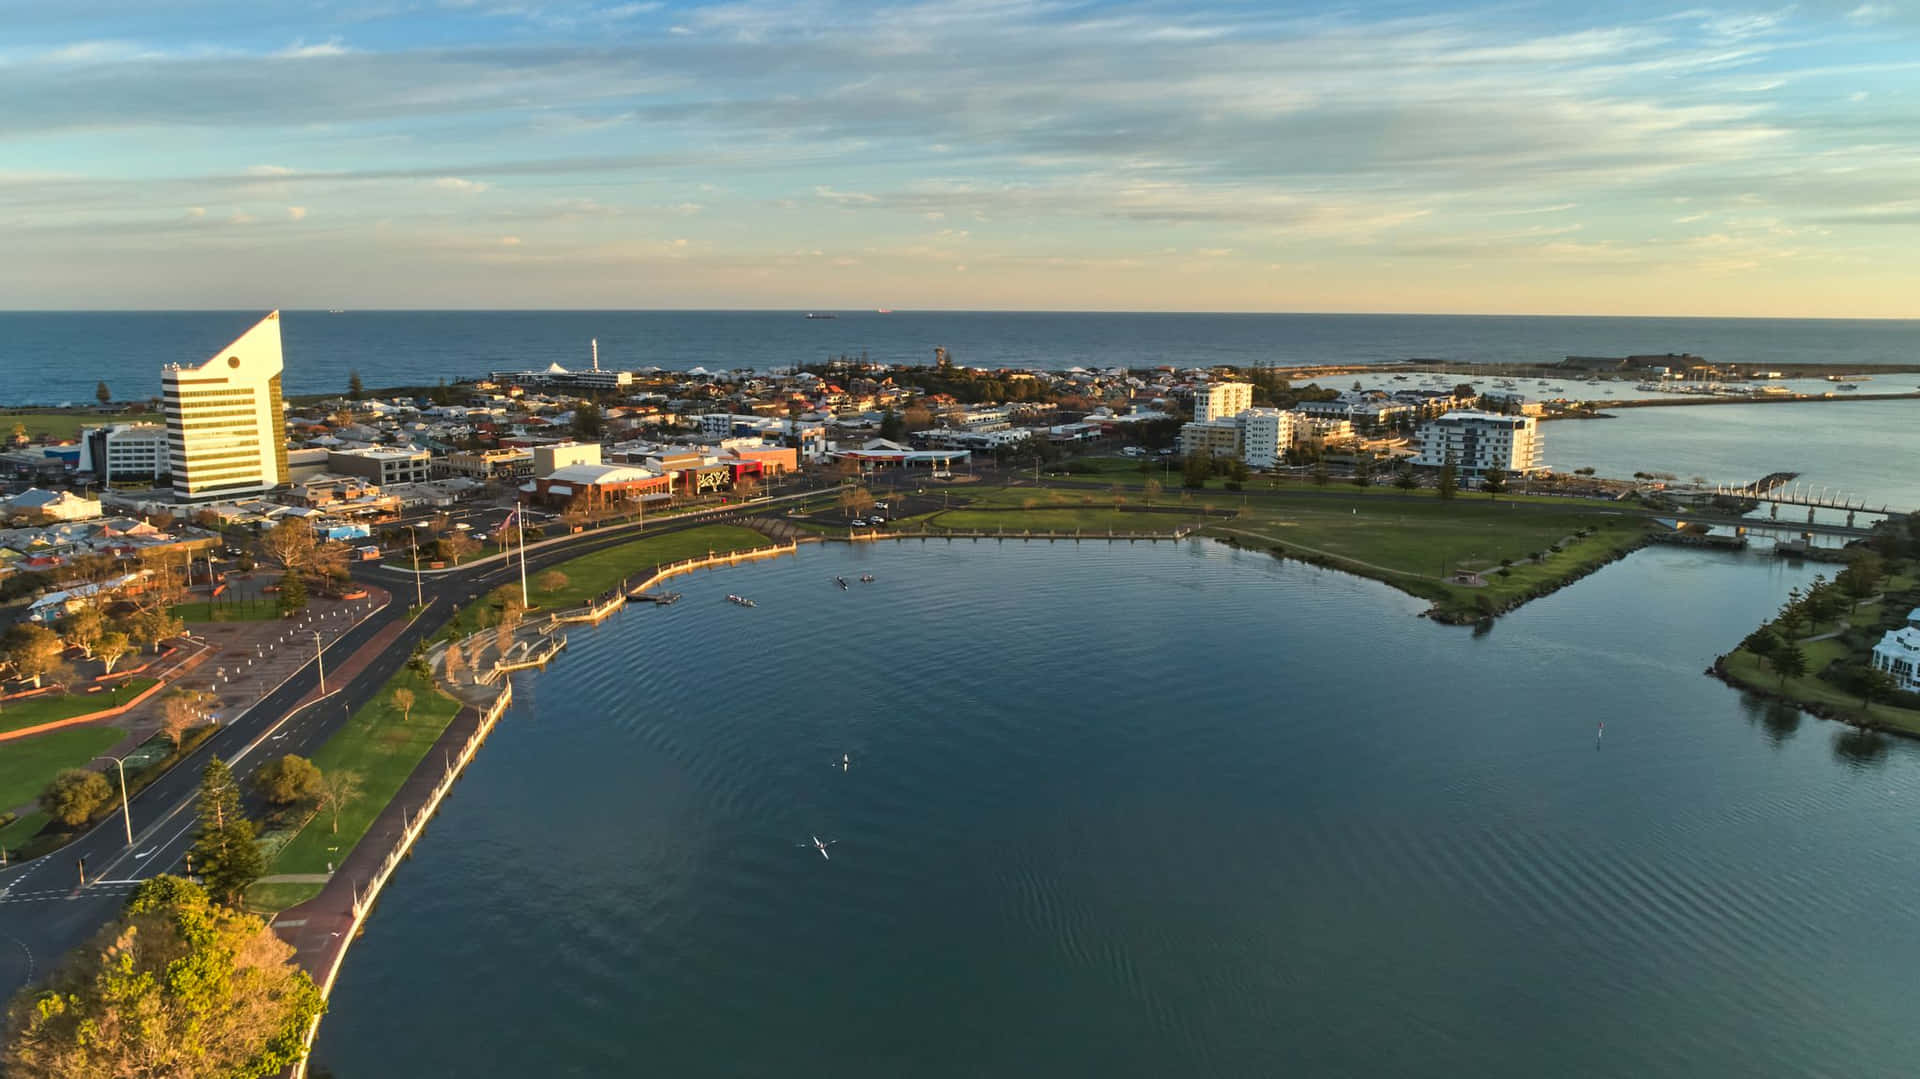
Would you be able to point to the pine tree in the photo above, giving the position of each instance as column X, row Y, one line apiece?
column 102, row 394
column 1449, row 477
column 224, row 853
column 355, row 388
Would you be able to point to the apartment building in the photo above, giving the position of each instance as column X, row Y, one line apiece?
column 1478, row 441
column 1221, row 401
column 384, row 467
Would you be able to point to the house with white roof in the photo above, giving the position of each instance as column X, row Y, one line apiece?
column 1898, row 653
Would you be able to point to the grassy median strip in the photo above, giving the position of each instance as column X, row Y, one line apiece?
column 382, row 747
column 34, row 711
column 246, row 610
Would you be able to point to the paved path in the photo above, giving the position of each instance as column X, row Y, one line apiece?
column 319, row 928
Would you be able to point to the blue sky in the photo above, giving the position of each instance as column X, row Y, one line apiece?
column 1505, row 157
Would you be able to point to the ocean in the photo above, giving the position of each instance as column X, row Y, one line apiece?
column 57, row 357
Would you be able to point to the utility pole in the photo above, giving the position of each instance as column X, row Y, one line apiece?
column 320, row 661
column 413, row 540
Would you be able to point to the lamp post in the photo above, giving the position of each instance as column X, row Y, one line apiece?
column 320, row 662
column 126, row 812
column 413, row 541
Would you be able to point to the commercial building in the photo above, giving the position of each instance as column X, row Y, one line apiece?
column 382, row 466
column 226, row 426
column 124, row 452
column 1478, row 441
column 1898, row 653
column 491, row 464
column 1221, row 401
column 55, row 505
column 548, row 459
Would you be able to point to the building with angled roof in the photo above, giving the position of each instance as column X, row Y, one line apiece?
column 1898, row 653
column 226, row 425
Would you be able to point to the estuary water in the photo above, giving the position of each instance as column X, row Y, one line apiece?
column 53, row 357
column 1152, row 811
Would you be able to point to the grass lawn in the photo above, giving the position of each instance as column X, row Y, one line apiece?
column 260, row 610
column 1415, row 545
column 15, row 835
column 591, row 574
column 383, row 749
column 37, row 710
column 65, row 424
column 1098, row 518
column 270, row 899
column 27, row 765
column 1751, row 670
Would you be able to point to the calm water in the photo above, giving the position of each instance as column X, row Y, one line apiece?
column 1866, row 448
column 1152, row 811
column 49, row 358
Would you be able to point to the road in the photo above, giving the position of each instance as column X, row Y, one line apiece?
column 44, row 909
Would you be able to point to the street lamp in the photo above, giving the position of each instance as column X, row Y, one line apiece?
column 320, row 662
column 126, row 812
column 413, row 540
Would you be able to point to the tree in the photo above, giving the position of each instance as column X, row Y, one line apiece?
column 1494, row 482
column 290, row 543
column 84, row 628
column 588, row 423
column 75, row 795
column 507, row 599
column 457, row 546
column 1237, row 471
column 101, row 393
column 855, row 500
column 1195, row 470
column 1320, row 474
column 1151, row 489
column 111, row 648
column 1449, row 477
column 456, row 665
column 1762, row 642
column 181, row 711
column 1404, row 478
column 337, row 791
column 1363, row 470
column 1861, row 579
column 1793, row 615
column 174, row 987
column 288, row 780
column 1788, row 661
column 403, row 700
column 892, row 427
column 224, row 852
column 149, row 627
column 355, row 388
column 32, row 651
column 551, row 581
column 293, row 593
column 1873, row 684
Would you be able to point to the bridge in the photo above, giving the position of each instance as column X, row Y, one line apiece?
column 1779, row 490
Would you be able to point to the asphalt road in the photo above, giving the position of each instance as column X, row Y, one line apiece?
column 45, row 911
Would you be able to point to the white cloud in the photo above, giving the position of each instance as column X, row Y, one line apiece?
column 509, row 241
column 455, row 183
column 300, row 50
column 297, row 213
column 195, row 213
column 1867, row 14
column 269, row 170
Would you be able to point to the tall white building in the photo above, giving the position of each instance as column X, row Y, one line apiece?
column 124, row 452
column 1265, row 435
column 1222, row 401
column 1478, row 441
column 226, row 429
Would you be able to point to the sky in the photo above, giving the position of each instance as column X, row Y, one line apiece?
column 1528, row 158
